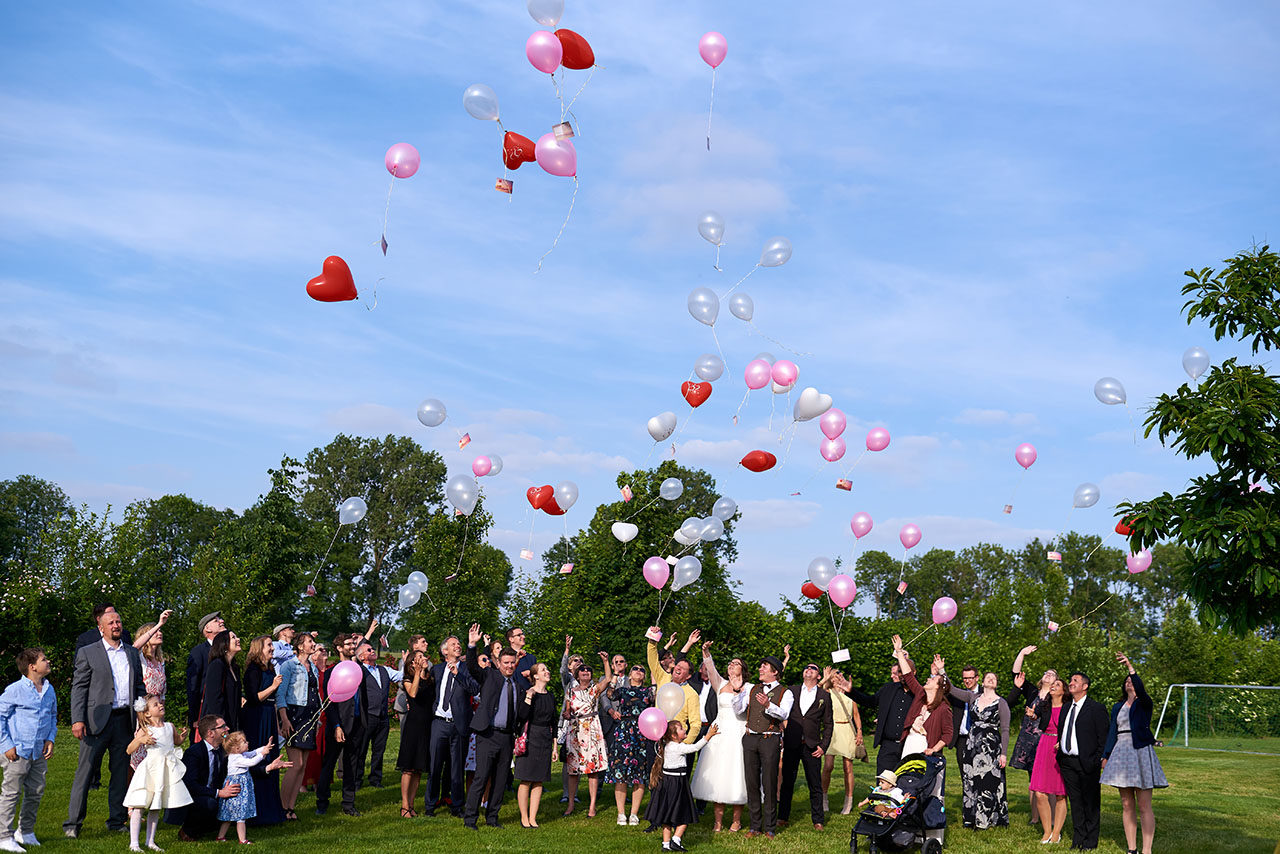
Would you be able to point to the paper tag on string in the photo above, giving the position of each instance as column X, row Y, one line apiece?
column 566, row 568
column 383, row 244
column 464, row 440
column 902, row 587
column 503, row 185
column 840, row 655
column 386, row 644
column 1053, row 627
column 1008, row 508
column 311, row 590
column 671, row 559
column 526, row 554
column 673, row 449
column 626, row 493
column 846, row 485
column 794, row 494
column 1056, row 557
column 564, row 130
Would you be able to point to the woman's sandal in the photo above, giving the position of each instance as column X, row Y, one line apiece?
column 735, row 827
column 406, row 813
column 290, row 815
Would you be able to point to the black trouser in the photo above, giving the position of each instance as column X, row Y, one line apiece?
column 793, row 755
column 493, row 762
column 113, row 740
column 447, row 744
column 199, row 818
column 375, row 737
column 889, row 756
column 347, row 752
column 760, row 764
column 1084, row 794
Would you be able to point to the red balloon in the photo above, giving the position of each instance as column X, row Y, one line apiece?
column 517, row 149
column 811, row 590
column 551, row 508
column 1123, row 529
column 759, row 461
column 695, row 394
column 540, row 495
column 577, row 54
column 334, row 284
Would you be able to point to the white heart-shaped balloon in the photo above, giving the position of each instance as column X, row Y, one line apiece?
column 778, row 388
column 624, row 531
column 682, row 539
column 811, row 404
column 662, row 426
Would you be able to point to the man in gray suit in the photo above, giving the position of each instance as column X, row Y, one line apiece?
column 106, row 680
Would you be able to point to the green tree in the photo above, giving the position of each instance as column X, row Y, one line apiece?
column 1232, row 531
column 27, row 506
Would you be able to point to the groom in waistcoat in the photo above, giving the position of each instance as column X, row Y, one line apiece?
column 766, row 704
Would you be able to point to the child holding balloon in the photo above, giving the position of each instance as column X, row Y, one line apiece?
column 671, row 805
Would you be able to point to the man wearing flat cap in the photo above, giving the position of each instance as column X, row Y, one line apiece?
column 282, row 646
column 197, row 660
column 766, row 704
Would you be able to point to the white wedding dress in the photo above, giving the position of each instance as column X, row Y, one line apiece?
column 719, row 777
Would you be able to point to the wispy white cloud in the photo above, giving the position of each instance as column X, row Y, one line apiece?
column 44, row 443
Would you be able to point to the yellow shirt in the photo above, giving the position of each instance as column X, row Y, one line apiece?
column 691, row 714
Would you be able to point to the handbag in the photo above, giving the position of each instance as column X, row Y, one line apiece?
column 522, row 742
column 860, row 752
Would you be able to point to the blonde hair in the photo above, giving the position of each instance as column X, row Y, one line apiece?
column 159, row 656
column 146, row 706
column 232, row 740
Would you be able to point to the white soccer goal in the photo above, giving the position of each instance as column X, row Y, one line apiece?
column 1236, row 718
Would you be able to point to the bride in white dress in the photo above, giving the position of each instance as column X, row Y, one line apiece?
column 719, row 776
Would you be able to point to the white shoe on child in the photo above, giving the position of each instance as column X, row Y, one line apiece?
column 27, row 839
column 634, row 820
column 11, row 844
column 622, row 820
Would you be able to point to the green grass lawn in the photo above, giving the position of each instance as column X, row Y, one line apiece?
column 1218, row 802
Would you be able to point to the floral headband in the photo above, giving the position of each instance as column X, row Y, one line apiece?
column 140, row 704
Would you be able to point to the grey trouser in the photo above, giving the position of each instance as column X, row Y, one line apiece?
column 22, row 778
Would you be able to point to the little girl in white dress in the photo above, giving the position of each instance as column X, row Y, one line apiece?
column 157, row 782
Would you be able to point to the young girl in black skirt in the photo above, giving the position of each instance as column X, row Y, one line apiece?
column 671, row 802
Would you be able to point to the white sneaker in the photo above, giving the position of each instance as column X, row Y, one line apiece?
column 11, row 844
column 634, row 820
column 622, row 820
column 27, row 839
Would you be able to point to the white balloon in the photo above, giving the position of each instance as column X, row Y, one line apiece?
column 662, row 426
column 419, row 580
column 431, row 412
column 704, row 305
column 547, row 12
column 742, row 307
column 776, row 252
column 566, row 494
column 1108, row 390
column 1086, row 495
column 352, row 511
column 670, row 699
column 779, row 388
column 624, row 531
column 712, row 529
column 463, row 492
column 768, row 357
column 724, row 508
column 496, row 462
column 691, row 528
column 821, row 571
column 811, row 404
column 1195, row 362
column 688, row 570
column 409, row 596
column 481, row 102
column 708, row 367
column 671, row 489
column 680, row 538
column 711, row 227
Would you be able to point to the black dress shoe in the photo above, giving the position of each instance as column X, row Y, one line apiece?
column 350, row 811
column 493, row 822
column 321, row 810
column 469, row 825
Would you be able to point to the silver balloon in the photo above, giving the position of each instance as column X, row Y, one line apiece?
column 409, row 596
column 680, row 538
column 704, row 305
column 779, row 388
column 776, row 252
column 418, row 580
column 1086, row 495
column 1109, row 391
column 688, row 569
column 724, row 508
column 711, row 227
column 352, row 511
column 742, row 307
column 496, row 462
column 670, row 699
column 821, row 571
column 810, row 404
column 661, row 426
column 481, row 102
column 691, row 528
column 1195, row 362
column 463, row 492
column 708, row 367
column 712, row 529
column 768, row 357
column 431, row 412
column 671, row 489
column 547, row 12
column 566, row 494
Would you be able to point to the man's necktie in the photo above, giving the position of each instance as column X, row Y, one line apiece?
column 1066, row 733
column 448, row 691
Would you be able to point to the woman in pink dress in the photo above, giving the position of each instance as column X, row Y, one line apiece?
column 1046, row 779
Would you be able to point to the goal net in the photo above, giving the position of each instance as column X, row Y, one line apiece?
column 1238, row 718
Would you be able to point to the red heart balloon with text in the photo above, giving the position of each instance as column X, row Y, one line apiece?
column 759, row 461
column 1123, row 529
column 517, row 149
column 334, row 284
column 811, row 590
column 695, row 394
column 540, row 495
column 551, row 508
column 576, row 53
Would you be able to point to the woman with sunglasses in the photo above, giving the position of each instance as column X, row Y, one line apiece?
column 630, row 753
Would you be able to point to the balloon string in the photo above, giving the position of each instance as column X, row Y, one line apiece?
column 1065, row 523
column 308, row 725
column 716, row 338
column 832, row 614
column 386, row 213
column 572, row 199
column 850, row 469
column 745, row 395
column 556, row 83
column 787, row 454
column 812, row 476
column 639, row 511
column 1099, row 545
column 583, row 86
column 532, row 524
column 740, row 281
column 717, row 264
column 711, row 107
column 683, row 424
column 375, row 296
column 1081, row 618
column 326, row 555
column 922, row 631
column 1015, row 487
column 1129, row 412
column 755, row 329
column 465, row 530
column 773, row 402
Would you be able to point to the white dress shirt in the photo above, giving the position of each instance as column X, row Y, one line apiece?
column 1071, row 747
column 807, row 696
column 120, row 672
column 744, row 698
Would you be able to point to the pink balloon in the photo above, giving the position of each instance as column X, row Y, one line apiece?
column 712, row 47
column 481, row 466
column 842, row 591
column 944, row 610
column 832, row 423
column 785, row 372
column 557, row 156
column 1025, row 454
column 653, row 723
column 860, row 524
column 757, row 374
column 344, row 681
column 909, row 535
column 831, row 449
column 877, row 439
column 403, row 160
column 1139, row 562
column 656, row 572
column 544, row 51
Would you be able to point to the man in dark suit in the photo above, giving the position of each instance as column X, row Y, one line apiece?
column 197, row 662
column 1082, row 737
column 205, row 778
column 494, row 723
column 344, row 739
column 450, row 698
column 376, row 698
column 805, row 741
column 892, row 703
column 106, row 680
column 960, row 716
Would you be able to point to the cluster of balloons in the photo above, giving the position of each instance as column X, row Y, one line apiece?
column 823, row 577
column 486, row 465
column 411, row 591
column 657, row 572
column 553, row 500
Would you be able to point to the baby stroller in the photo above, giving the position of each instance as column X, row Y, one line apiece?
column 921, row 819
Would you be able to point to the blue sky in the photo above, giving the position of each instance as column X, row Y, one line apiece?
column 991, row 206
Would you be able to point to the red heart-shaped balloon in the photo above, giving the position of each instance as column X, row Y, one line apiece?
column 334, row 284
column 759, row 461
column 576, row 53
column 517, row 149
column 695, row 394
column 811, row 590
column 540, row 495
column 1123, row 529
column 551, row 508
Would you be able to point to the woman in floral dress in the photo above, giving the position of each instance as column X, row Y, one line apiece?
column 584, row 744
column 630, row 756
column 985, row 756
